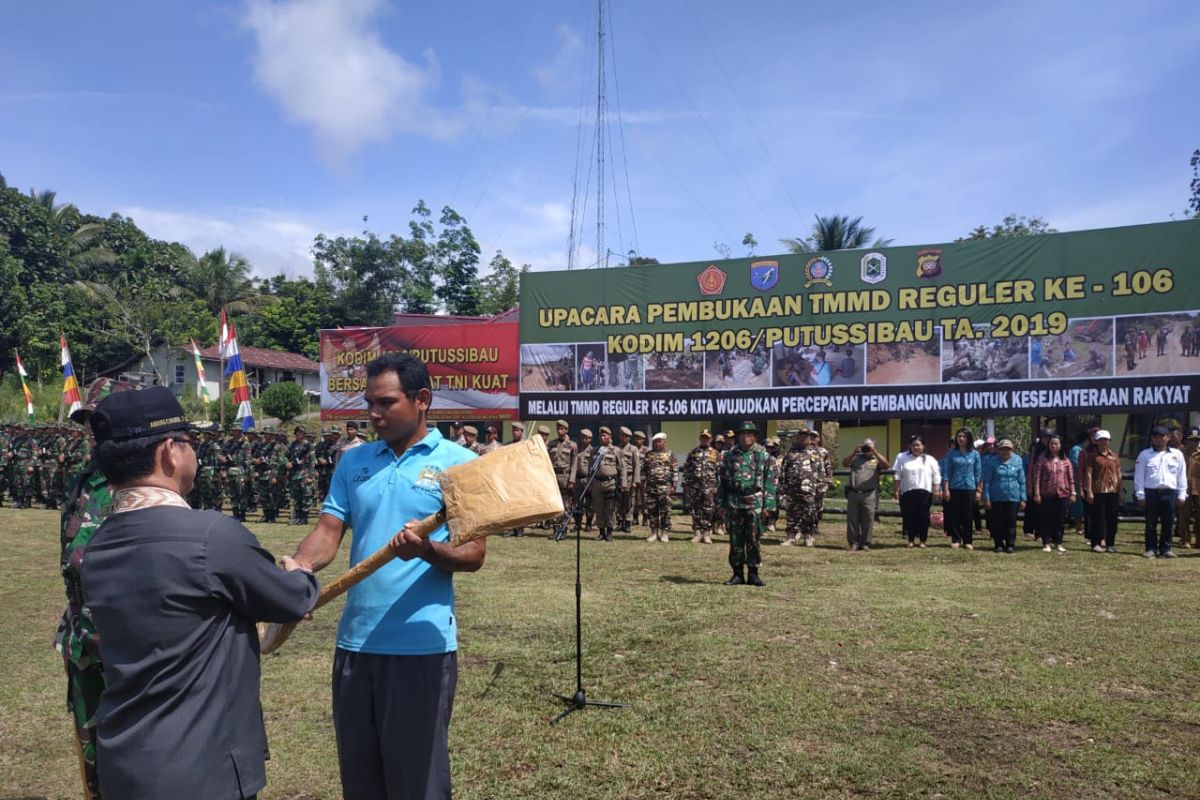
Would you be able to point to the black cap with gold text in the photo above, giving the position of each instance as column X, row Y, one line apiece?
column 134, row 415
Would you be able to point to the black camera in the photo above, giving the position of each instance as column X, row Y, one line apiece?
column 866, row 448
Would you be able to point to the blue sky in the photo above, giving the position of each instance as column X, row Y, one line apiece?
column 256, row 124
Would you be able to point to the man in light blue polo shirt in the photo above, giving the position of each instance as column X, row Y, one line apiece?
column 395, row 668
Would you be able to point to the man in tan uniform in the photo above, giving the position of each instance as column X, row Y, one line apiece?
column 631, row 477
column 564, row 457
column 606, row 486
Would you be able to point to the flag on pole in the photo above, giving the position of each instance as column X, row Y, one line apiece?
column 226, row 331
column 238, row 386
column 25, row 386
column 201, row 386
column 71, row 397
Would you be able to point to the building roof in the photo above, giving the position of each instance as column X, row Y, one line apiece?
column 403, row 319
column 271, row 359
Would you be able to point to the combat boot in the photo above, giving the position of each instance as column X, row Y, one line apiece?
column 707, row 539
column 789, row 541
column 697, row 538
column 737, row 579
column 664, row 536
column 608, row 534
column 808, row 541
column 753, row 578
column 653, row 537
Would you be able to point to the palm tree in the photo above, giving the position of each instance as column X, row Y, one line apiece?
column 837, row 232
column 222, row 280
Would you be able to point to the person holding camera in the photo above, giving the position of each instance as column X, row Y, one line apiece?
column 862, row 493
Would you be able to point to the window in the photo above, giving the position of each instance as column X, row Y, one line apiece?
column 180, row 373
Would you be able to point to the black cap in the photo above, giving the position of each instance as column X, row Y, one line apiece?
column 352, row 424
column 1193, row 433
column 1047, row 432
column 133, row 415
column 1159, row 430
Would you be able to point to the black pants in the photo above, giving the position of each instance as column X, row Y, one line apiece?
column 958, row 515
column 1002, row 523
column 1031, row 518
column 1160, row 511
column 1052, row 515
column 914, row 510
column 391, row 717
column 1102, row 522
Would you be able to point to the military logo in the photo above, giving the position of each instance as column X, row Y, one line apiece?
column 929, row 263
column 818, row 270
column 764, row 274
column 711, row 280
column 873, row 267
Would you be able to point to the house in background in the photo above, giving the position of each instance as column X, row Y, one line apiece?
column 177, row 366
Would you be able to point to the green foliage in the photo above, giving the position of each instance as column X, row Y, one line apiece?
column 284, row 400
column 837, row 232
column 1194, row 202
column 499, row 290
column 635, row 260
column 457, row 255
column 292, row 321
column 1010, row 226
column 46, row 399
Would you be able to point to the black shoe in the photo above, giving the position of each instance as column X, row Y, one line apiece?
column 753, row 578
column 996, row 549
column 508, row 534
column 737, row 579
column 1010, row 550
column 559, row 535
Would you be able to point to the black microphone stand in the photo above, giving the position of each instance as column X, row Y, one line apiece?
column 579, row 701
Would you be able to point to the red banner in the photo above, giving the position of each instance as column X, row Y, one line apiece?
column 473, row 368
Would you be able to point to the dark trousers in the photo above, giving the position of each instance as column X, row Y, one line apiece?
column 1102, row 523
column 958, row 515
column 1160, row 512
column 1031, row 518
column 391, row 717
column 1002, row 522
column 914, row 510
column 1052, row 515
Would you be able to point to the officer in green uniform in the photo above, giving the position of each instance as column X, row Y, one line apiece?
column 641, row 510
column 700, row 472
column 302, row 475
column 658, row 469
column 264, row 475
column 237, row 464
column 254, row 443
column 88, row 502
column 745, row 490
column 326, row 453
column 607, row 484
column 24, row 468
column 5, row 458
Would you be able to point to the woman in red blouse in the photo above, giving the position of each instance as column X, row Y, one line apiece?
column 1053, row 489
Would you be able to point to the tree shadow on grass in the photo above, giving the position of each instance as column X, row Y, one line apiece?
column 682, row 580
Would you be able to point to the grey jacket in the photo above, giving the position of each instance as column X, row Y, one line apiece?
column 175, row 595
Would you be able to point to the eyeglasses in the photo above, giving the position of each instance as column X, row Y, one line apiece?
column 184, row 440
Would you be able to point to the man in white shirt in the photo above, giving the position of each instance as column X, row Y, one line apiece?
column 1159, row 484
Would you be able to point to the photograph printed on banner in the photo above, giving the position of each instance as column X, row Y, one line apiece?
column 909, row 363
column 1159, row 344
column 818, row 366
column 985, row 359
column 679, row 370
column 591, row 367
column 737, row 369
column 1084, row 351
column 626, row 372
column 547, row 367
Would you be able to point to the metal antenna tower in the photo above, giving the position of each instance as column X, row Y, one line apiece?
column 601, row 124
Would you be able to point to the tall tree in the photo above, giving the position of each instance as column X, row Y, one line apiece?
column 301, row 308
column 499, row 290
column 837, row 232
column 365, row 275
column 1010, row 226
column 222, row 281
column 457, row 255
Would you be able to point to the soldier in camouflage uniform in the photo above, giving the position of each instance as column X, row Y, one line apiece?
column 659, row 468
column 745, row 490
column 641, row 509
column 564, row 457
column 827, row 470
column 24, row 468
column 237, row 467
column 802, row 482
column 88, row 502
column 326, row 457
column 208, row 475
column 267, row 465
column 632, row 476
column 607, row 484
column 301, row 475
column 700, row 487
column 5, row 458
column 770, row 517
column 582, row 498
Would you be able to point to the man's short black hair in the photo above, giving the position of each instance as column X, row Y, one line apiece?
column 126, row 460
column 410, row 371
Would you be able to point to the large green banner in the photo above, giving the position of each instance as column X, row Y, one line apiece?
column 1102, row 320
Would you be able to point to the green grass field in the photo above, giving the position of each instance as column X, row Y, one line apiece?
column 894, row 673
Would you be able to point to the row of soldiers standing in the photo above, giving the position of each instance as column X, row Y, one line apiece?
column 37, row 462
column 255, row 469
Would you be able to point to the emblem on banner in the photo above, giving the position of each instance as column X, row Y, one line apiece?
column 873, row 267
column 711, row 280
column 818, row 270
column 929, row 263
column 764, row 275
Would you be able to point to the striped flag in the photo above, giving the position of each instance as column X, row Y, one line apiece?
column 25, row 386
column 71, row 397
column 238, row 386
column 226, row 331
column 201, row 386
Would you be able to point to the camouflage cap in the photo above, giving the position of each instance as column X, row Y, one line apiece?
column 704, row 434
column 606, row 429
column 625, row 431
column 728, row 434
column 300, row 429
column 97, row 391
column 747, row 427
column 585, row 432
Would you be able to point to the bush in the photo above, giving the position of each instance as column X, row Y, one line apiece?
column 283, row 400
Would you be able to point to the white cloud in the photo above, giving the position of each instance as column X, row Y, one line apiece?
column 327, row 68
column 272, row 241
column 562, row 70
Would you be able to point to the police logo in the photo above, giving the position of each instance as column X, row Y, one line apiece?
column 929, row 263
column 764, row 275
column 818, row 270
column 711, row 280
column 873, row 267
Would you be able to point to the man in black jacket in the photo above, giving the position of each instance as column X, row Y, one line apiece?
column 175, row 595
